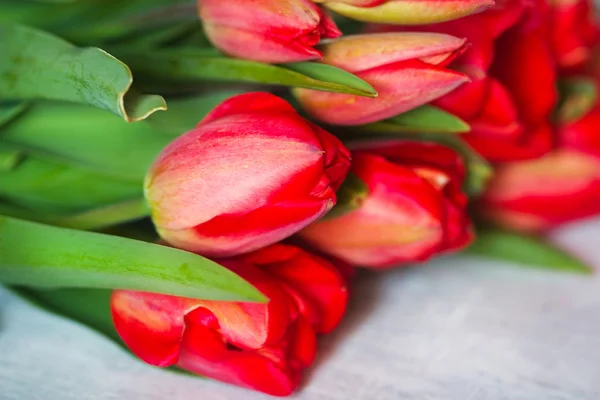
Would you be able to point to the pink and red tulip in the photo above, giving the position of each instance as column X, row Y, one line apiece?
column 273, row 31
column 406, row 12
column 406, row 69
column 414, row 207
column 264, row 347
column 252, row 173
column 560, row 187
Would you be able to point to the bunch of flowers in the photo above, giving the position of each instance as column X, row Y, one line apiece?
column 413, row 129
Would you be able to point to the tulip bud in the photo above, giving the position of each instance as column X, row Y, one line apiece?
column 560, row 187
column 273, row 31
column 413, row 207
column 406, row 69
column 251, row 173
column 539, row 194
column 265, row 347
column 406, row 12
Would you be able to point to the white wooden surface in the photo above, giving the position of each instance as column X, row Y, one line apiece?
column 460, row 328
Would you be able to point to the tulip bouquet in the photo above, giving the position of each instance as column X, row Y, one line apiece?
column 201, row 181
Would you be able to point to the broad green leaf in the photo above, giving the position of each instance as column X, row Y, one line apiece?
column 193, row 67
column 88, row 138
column 38, row 65
column 525, row 250
column 578, row 95
column 98, row 21
column 58, row 188
column 37, row 255
column 185, row 113
column 158, row 36
column 350, row 196
column 94, row 219
column 424, row 119
column 10, row 110
column 103, row 217
column 9, row 159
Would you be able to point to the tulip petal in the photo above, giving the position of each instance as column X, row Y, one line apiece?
column 205, row 353
column 150, row 324
column 412, row 12
column 401, row 86
column 534, row 69
column 254, row 46
column 538, row 194
column 357, row 53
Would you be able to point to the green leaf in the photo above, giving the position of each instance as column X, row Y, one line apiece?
column 9, row 159
column 578, row 95
column 424, row 119
column 107, row 216
column 525, row 250
column 193, row 67
column 331, row 74
column 350, row 196
column 38, row 255
column 38, row 65
column 89, row 138
column 98, row 21
column 10, row 110
column 59, row 188
column 185, row 113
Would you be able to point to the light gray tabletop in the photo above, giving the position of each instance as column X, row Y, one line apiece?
column 460, row 328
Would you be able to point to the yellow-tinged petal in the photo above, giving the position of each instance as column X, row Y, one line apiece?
column 412, row 12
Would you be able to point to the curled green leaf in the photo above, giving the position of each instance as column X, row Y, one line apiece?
column 38, row 65
column 37, row 255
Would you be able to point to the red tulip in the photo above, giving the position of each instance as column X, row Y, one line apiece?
column 273, row 31
column 413, row 209
column 251, row 173
column 409, row 12
column 513, row 91
column 265, row 347
column 562, row 186
column 574, row 31
column 406, row 69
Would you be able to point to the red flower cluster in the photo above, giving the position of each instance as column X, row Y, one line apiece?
column 254, row 172
column 260, row 346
